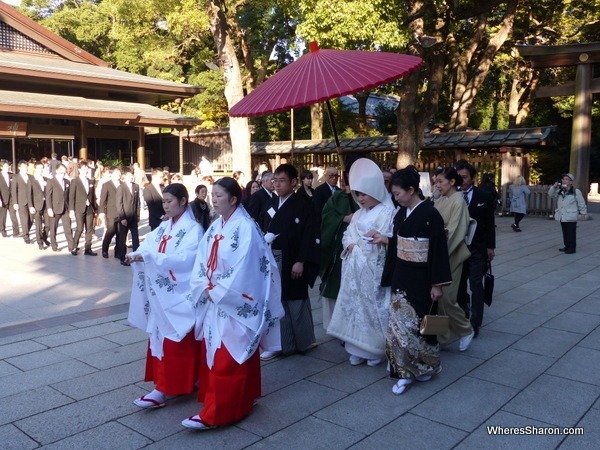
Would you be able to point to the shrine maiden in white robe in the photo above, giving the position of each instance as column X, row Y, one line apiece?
column 161, row 301
column 239, row 289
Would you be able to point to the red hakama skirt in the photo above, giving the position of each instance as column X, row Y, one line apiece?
column 177, row 372
column 228, row 389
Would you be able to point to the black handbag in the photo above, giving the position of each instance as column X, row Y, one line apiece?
column 488, row 285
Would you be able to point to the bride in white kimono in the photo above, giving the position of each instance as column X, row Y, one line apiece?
column 236, row 280
column 362, row 308
column 160, row 299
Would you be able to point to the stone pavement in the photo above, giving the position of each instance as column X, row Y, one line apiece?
column 70, row 365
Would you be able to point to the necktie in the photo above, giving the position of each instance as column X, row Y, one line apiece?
column 466, row 195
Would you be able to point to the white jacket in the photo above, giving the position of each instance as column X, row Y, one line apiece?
column 570, row 204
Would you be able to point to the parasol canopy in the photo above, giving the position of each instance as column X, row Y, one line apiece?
column 323, row 74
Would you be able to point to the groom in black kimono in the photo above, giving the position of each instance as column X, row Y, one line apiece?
column 296, row 248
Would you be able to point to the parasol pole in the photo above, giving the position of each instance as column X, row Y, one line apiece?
column 292, row 136
column 338, row 147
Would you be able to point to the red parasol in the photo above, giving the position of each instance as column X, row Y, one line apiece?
column 321, row 75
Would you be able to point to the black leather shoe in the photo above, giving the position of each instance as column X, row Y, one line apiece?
column 562, row 249
column 90, row 253
column 45, row 241
column 125, row 263
column 27, row 241
column 569, row 252
column 74, row 252
column 476, row 331
column 105, row 254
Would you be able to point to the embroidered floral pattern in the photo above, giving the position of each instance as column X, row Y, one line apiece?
column 159, row 233
column 180, row 234
column 246, row 310
column 140, row 281
column 235, row 239
column 264, row 266
column 225, row 274
column 202, row 272
column 164, row 282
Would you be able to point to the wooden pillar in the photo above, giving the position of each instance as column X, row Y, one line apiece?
column 141, row 148
column 581, row 136
column 83, row 150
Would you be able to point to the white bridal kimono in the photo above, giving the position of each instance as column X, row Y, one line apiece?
column 161, row 302
column 236, row 280
column 361, row 311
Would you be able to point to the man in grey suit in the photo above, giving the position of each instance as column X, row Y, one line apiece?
column 128, row 208
column 108, row 211
column 57, row 203
column 82, row 205
column 6, row 200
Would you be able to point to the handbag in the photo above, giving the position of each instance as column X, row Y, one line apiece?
column 488, row 285
column 434, row 324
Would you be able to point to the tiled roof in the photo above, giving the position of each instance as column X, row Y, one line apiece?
column 518, row 137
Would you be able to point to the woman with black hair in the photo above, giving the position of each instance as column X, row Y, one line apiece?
column 416, row 268
column 236, row 284
column 162, row 267
column 200, row 207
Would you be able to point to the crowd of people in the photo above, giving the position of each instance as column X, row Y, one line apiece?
column 222, row 280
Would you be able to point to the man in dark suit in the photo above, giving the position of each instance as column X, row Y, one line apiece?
column 37, row 206
column 20, row 199
column 57, row 203
column 326, row 190
column 153, row 198
column 262, row 199
column 128, row 208
column 296, row 249
column 6, row 200
column 82, row 204
column 481, row 208
column 108, row 212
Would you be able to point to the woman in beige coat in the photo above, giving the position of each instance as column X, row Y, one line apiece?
column 455, row 212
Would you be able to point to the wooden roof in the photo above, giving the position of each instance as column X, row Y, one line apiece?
column 492, row 139
column 27, row 104
column 44, row 75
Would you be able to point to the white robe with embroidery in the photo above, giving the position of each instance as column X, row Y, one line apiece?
column 238, row 288
column 161, row 302
column 361, row 312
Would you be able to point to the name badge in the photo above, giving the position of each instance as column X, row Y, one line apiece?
column 271, row 212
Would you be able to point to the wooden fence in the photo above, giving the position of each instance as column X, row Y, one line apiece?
column 538, row 202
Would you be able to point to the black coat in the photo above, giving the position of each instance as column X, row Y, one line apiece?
column 481, row 208
column 258, row 205
column 108, row 202
column 153, row 201
column 128, row 202
column 320, row 196
column 298, row 241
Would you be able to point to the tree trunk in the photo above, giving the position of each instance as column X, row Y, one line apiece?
column 464, row 101
column 316, row 121
column 362, row 98
column 407, row 139
column 239, row 129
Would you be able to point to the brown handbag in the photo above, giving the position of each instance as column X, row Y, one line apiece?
column 434, row 324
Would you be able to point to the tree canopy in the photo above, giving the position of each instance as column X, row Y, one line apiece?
column 472, row 76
